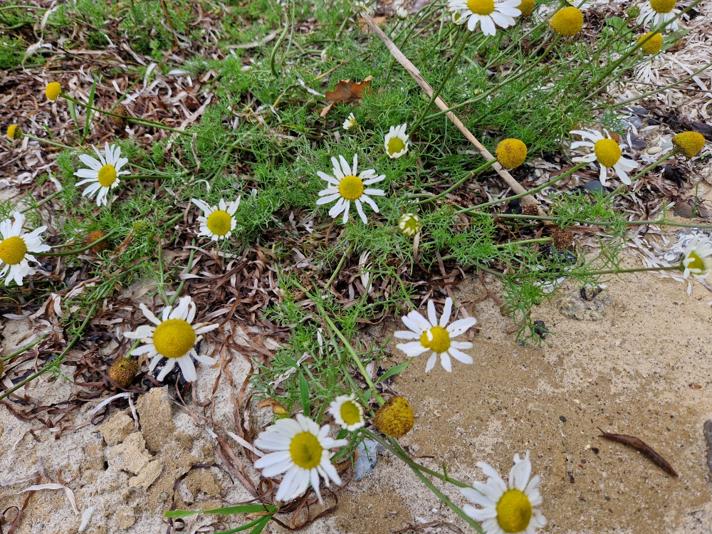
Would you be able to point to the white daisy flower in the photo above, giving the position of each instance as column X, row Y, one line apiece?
column 347, row 186
column 656, row 12
column 487, row 13
column 507, row 507
column 606, row 151
column 301, row 450
column 103, row 174
column 173, row 337
column 697, row 259
column 350, row 122
column 396, row 141
column 436, row 336
column 217, row 222
column 347, row 412
column 16, row 248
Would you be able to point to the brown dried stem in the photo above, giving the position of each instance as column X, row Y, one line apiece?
column 428, row 90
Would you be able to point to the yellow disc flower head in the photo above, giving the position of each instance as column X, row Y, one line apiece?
column 53, row 90
column 651, row 43
column 511, row 153
column 567, row 21
column 663, row 6
column 13, row 132
column 527, row 7
column 395, row 418
column 689, row 143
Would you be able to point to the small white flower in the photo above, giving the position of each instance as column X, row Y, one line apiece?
column 487, row 13
column 217, row 222
column 409, row 224
column 347, row 186
column 402, row 12
column 436, row 336
column 656, row 12
column 301, row 450
column 396, row 141
column 350, row 122
column 506, row 507
column 173, row 337
column 605, row 150
column 347, row 412
column 16, row 248
column 103, row 174
column 697, row 259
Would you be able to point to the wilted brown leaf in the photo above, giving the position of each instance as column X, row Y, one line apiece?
column 346, row 91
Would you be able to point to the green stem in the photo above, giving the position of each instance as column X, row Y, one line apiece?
column 486, row 165
column 23, row 349
column 451, row 68
column 77, row 250
column 128, row 118
column 398, row 451
column 658, row 222
column 530, row 66
column 333, row 276
column 42, row 201
column 349, row 348
column 635, row 270
column 354, row 356
column 56, row 359
column 47, row 141
column 180, row 287
column 532, row 191
column 526, row 242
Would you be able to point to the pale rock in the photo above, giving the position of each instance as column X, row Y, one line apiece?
column 116, row 428
column 156, row 417
column 147, row 476
column 130, row 455
column 125, row 517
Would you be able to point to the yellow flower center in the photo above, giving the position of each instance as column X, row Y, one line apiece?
column 219, row 222
column 350, row 413
column 11, row 131
column 395, row 145
column 436, row 339
column 53, row 90
column 395, row 418
column 567, row 21
column 12, row 250
column 305, row 450
column 662, row 6
column 173, row 338
column 695, row 262
column 527, row 7
column 608, row 152
column 691, row 143
column 351, row 187
column 514, row 511
column 651, row 43
column 107, row 175
column 511, row 153
column 481, row 7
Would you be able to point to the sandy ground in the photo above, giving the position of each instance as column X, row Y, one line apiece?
column 638, row 363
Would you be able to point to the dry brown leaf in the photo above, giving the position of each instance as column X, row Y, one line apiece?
column 380, row 21
column 346, row 91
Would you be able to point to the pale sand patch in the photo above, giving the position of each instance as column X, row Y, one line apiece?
column 642, row 369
